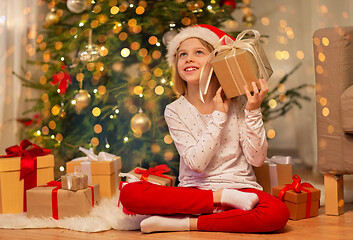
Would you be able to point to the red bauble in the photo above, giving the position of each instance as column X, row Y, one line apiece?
column 230, row 3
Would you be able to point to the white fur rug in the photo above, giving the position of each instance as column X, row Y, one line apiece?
column 107, row 215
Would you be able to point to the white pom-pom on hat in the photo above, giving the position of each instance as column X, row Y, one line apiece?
column 205, row 32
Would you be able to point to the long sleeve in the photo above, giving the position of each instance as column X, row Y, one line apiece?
column 195, row 147
column 253, row 137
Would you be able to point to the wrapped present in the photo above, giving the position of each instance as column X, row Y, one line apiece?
column 24, row 167
column 102, row 169
column 52, row 201
column 74, row 181
column 302, row 199
column 153, row 174
column 236, row 64
column 275, row 171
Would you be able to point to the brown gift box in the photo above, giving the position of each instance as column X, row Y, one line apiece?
column 74, row 181
column 156, row 179
column 102, row 173
column 70, row 204
column 297, row 202
column 281, row 172
column 236, row 67
column 12, row 188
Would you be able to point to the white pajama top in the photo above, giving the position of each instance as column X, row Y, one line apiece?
column 217, row 150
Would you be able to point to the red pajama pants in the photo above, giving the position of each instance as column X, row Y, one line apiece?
column 142, row 197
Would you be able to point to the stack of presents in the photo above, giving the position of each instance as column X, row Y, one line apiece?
column 26, row 172
column 27, row 183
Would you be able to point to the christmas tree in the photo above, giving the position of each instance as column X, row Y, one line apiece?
column 105, row 82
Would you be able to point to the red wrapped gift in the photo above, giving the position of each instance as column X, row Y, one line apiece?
column 302, row 199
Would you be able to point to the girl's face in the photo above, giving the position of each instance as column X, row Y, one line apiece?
column 192, row 55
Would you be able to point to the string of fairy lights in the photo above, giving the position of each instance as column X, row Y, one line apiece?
column 92, row 52
column 90, row 56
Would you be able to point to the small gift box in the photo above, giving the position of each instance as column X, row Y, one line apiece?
column 275, row 171
column 239, row 63
column 302, row 199
column 102, row 169
column 52, row 201
column 154, row 175
column 74, row 181
column 24, row 167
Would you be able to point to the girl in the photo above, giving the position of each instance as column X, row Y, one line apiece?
column 218, row 142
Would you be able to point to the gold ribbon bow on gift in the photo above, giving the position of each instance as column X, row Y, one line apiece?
column 250, row 44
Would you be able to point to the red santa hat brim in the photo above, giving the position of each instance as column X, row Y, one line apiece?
column 205, row 32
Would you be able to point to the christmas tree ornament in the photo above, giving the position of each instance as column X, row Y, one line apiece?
column 63, row 78
column 140, row 123
column 249, row 20
column 83, row 99
column 230, row 3
column 91, row 51
column 169, row 36
column 77, row 6
column 52, row 18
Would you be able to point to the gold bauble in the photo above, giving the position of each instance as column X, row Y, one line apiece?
column 83, row 99
column 140, row 123
column 78, row 6
column 52, row 18
column 90, row 53
column 249, row 20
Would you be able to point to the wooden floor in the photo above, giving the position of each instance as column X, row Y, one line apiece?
column 321, row 227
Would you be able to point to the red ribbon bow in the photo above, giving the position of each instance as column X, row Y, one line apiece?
column 63, row 79
column 28, row 156
column 157, row 171
column 53, row 184
column 298, row 187
column 28, row 170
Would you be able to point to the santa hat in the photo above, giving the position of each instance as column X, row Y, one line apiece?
column 205, row 32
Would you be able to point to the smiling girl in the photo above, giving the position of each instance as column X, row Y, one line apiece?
column 218, row 140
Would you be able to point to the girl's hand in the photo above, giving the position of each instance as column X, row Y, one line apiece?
column 218, row 102
column 255, row 100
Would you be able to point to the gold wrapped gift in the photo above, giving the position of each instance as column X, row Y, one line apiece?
column 74, row 181
column 51, row 201
column 239, row 63
column 275, row 171
column 102, row 169
column 12, row 188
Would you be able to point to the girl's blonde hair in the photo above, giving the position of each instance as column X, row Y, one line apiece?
column 179, row 85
